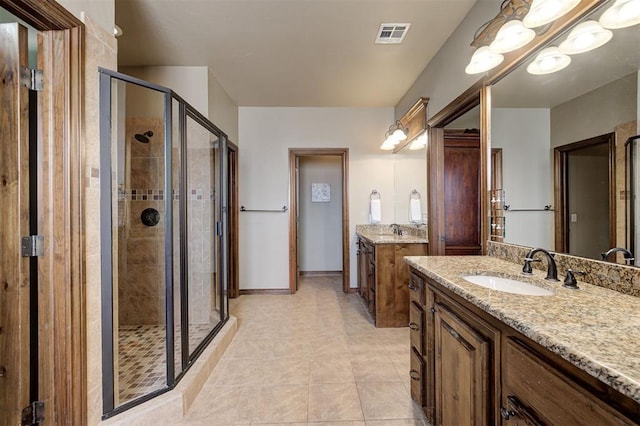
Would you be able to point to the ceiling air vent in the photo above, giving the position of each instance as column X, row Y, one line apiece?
column 392, row 33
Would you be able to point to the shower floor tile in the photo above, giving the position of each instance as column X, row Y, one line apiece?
column 142, row 361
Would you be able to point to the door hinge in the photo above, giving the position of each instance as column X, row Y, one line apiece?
column 31, row 79
column 33, row 246
column 33, row 414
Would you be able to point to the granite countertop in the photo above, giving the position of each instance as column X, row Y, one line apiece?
column 384, row 234
column 391, row 239
column 594, row 328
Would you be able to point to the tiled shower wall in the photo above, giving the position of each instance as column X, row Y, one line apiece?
column 141, row 298
column 141, row 284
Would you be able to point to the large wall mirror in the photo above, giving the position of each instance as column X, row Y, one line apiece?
column 560, row 138
column 410, row 174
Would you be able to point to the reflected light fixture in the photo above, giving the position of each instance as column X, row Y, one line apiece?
column 623, row 13
column 545, row 11
column 549, row 61
column 394, row 135
column 586, row 36
column 511, row 36
column 419, row 142
column 483, row 60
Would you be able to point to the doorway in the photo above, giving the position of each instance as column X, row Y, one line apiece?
column 585, row 196
column 319, row 214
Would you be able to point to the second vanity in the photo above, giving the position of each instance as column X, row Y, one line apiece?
column 483, row 357
column 382, row 273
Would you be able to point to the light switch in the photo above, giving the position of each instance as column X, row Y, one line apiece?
column 574, row 217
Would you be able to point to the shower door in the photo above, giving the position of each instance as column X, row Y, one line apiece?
column 163, row 237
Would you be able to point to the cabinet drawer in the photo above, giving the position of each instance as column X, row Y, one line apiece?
column 549, row 394
column 416, row 289
column 416, row 327
column 417, row 377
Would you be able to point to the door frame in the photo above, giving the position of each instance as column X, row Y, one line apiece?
column 560, row 157
column 294, row 154
column 61, row 271
column 234, row 273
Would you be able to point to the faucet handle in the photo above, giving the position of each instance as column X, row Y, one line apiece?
column 570, row 279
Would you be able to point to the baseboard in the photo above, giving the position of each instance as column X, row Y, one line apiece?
column 264, row 291
column 320, row 273
column 354, row 290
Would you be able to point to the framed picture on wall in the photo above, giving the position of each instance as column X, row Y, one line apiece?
column 320, row 193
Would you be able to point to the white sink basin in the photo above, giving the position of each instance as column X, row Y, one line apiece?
column 508, row 285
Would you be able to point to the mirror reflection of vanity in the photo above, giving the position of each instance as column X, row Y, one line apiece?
column 561, row 138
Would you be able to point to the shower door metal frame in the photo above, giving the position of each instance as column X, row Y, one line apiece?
column 106, row 224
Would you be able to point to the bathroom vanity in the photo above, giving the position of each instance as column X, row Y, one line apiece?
column 382, row 273
column 482, row 357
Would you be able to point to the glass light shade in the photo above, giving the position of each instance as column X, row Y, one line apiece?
column 399, row 135
column 623, row 13
column 544, row 11
column 586, row 36
column 419, row 142
column 483, row 60
column 548, row 61
column 386, row 146
column 511, row 36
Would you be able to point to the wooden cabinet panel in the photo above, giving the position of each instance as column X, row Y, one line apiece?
column 461, row 369
column 363, row 270
column 550, row 394
column 416, row 289
column 462, row 193
column 416, row 327
column 417, row 377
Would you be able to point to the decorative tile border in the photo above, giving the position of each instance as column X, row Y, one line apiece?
column 158, row 195
column 621, row 278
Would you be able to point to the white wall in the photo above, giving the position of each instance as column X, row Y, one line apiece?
column 266, row 135
column 444, row 78
column 102, row 12
column 595, row 113
column 199, row 87
column 524, row 136
column 320, row 226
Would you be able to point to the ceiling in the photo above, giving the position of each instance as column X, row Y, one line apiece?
column 296, row 53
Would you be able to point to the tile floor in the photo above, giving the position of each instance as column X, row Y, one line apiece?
column 142, row 357
column 311, row 358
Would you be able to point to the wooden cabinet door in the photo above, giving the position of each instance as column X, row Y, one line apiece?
column 461, row 372
column 417, row 377
column 362, row 270
column 462, row 193
column 15, row 351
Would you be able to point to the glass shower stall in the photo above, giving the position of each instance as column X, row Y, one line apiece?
column 164, row 236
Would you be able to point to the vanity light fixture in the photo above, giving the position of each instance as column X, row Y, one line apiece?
column 543, row 12
column 511, row 36
column 586, row 36
column 419, row 142
column 623, row 13
column 549, row 61
column 393, row 136
column 483, row 60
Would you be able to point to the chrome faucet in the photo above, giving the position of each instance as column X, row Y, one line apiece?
column 628, row 256
column 552, row 270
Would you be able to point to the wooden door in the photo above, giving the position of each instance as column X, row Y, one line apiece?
column 462, row 193
column 15, row 353
column 461, row 371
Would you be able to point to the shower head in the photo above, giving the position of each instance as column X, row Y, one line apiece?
column 144, row 137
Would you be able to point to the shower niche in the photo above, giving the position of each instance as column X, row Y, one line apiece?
column 164, row 231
